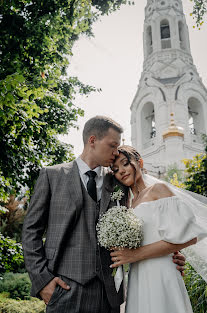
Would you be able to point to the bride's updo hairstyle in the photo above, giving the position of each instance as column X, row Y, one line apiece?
column 130, row 153
column 132, row 156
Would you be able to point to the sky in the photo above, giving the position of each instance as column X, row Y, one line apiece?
column 113, row 61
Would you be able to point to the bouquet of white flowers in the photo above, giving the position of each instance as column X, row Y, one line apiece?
column 119, row 227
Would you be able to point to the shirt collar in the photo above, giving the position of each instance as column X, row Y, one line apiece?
column 83, row 167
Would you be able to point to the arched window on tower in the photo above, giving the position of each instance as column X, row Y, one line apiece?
column 149, row 40
column 182, row 35
column 165, row 34
column 195, row 119
column 148, row 125
column 153, row 126
column 191, row 121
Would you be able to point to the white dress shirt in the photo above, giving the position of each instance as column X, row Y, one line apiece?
column 83, row 168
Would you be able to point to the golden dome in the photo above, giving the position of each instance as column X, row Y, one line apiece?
column 173, row 130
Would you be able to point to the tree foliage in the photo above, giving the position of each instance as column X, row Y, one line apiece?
column 199, row 10
column 36, row 95
column 12, row 217
column 11, row 255
column 171, row 171
column 176, row 182
column 197, row 289
column 196, row 170
column 194, row 177
column 106, row 7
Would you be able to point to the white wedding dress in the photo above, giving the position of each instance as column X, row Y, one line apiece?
column 155, row 285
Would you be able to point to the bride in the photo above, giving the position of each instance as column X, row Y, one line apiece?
column 155, row 286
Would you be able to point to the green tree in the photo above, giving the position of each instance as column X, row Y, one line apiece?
column 171, row 171
column 196, row 170
column 199, row 10
column 36, row 96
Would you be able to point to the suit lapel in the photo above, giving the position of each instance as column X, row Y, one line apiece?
column 74, row 184
column 107, row 189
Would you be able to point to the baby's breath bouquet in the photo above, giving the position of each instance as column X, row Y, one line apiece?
column 119, row 227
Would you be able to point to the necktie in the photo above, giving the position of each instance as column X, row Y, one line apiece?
column 91, row 185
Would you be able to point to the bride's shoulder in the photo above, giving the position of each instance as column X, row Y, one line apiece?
column 161, row 190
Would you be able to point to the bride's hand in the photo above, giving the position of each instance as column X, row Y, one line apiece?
column 122, row 256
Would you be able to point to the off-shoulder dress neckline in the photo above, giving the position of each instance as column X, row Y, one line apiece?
column 155, row 201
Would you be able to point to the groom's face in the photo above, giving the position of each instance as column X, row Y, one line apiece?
column 105, row 149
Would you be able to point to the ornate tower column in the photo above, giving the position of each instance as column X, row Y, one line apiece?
column 169, row 84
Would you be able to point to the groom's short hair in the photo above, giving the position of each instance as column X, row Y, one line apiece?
column 99, row 126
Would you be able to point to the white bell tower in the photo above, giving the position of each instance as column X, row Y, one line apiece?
column 169, row 110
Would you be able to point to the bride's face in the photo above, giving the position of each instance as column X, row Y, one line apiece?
column 124, row 171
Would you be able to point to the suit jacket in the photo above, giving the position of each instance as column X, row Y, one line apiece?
column 55, row 208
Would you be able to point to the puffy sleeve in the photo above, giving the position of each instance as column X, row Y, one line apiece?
column 176, row 221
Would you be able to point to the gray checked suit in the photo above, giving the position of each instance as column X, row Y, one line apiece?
column 62, row 211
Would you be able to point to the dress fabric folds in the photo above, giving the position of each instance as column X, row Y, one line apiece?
column 155, row 285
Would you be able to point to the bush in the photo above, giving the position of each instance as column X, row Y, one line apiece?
column 4, row 295
column 22, row 306
column 17, row 285
column 11, row 255
column 197, row 289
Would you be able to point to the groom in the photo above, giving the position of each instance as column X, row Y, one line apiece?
column 69, row 271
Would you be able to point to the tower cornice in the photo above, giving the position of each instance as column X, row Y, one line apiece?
column 160, row 5
column 168, row 56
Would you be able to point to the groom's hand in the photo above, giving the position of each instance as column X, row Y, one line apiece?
column 47, row 291
column 179, row 259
